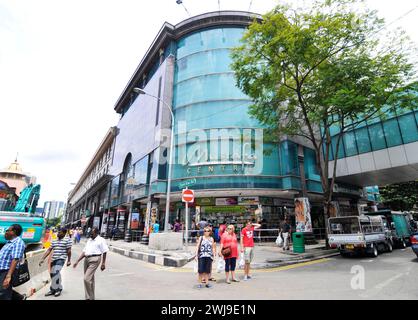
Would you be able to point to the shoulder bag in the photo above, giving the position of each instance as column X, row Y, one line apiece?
column 21, row 274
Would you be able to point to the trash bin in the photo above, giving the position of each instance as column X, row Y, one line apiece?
column 298, row 239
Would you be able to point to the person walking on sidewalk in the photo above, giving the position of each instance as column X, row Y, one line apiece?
column 10, row 255
column 95, row 248
column 229, row 246
column 205, row 252
column 286, row 228
column 61, row 251
column 247, row 246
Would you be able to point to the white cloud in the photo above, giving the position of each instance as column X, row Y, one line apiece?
column 63, row 64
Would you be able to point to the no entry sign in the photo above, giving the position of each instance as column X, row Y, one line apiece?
column 187, row 195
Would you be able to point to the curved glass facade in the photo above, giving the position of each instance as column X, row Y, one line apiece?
column 206, row 99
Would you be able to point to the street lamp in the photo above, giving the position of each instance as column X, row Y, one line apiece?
column 167, row 206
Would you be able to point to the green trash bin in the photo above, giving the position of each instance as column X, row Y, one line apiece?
column 298, row 239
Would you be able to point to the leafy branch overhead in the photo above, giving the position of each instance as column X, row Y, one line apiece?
column 311, row 70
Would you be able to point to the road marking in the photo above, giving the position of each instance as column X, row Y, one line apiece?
column 121, row 274
column 283, row 268
column 387, row 282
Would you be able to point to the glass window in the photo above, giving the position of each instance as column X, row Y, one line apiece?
column 341, row 153
column 377, row 137
column 408, row 128
column 289, row 158
column 392, row 133
column 363, row 141
column 350, row 144
column 141, row 172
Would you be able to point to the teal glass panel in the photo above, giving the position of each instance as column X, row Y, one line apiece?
column 210, row 87
column 408, row 128
column 350, row 144
column 314, row 186
column 289, row 158
column 416, row 116
column 219, row 114
column 377, row 137
column 216, row 61
column 209, row 39
column 392, row 133
column 363, row 141
column 311, row 170
column 341, row 153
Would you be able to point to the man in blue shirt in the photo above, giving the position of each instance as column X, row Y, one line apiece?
column 11, row 253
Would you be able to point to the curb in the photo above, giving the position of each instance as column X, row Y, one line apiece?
column 158, row 259
column 296, row 261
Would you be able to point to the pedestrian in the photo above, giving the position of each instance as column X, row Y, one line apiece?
column 156, row 227
column 177, row 226
column 61, row 251
column 10, row 255
column 205, row 252
column 75, row 235
column 229, row 251
column 221, row 230
column 193, row 230
column 247, row 246
column 201, row 225
column 286, row 229
column 94, row 252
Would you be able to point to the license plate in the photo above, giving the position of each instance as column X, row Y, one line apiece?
column 28, row 235
column 349, row 246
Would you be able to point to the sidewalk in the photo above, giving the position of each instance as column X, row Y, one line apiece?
column 266, row 255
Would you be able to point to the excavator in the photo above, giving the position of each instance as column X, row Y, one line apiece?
column 23, row 213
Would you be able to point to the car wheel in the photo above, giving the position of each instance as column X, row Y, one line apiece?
column 389, row 247
column 403, row 244
column 373, row 251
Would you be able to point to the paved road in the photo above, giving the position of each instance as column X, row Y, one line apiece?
column 390, row 276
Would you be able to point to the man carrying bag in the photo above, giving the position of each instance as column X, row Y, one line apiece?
column 10, row 255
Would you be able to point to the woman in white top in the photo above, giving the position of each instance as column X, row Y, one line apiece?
column 205, row 251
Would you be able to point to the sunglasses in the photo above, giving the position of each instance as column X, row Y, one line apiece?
column 207, row 230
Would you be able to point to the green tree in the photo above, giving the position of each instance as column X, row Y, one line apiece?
column 54, row 222
column 400, row 196
column 321, row 70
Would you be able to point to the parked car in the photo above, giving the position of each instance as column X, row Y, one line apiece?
column 359, row 234
column 414, row 243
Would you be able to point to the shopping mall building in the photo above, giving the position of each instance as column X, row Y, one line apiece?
column 219, row 150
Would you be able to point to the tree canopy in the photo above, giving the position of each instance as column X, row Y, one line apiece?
column 330, row 65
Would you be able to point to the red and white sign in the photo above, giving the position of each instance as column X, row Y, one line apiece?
column 187, row 195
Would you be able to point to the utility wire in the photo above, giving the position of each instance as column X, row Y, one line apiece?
column 251, row 3
column 181, row 2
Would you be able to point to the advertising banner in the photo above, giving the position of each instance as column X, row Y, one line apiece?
column 135, row 220
column 104, row 224
column 226, row 201
column 303, row 215
column 96, row 222
column 247, row 201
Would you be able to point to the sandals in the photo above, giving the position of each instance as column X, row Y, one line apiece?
column 212, row 279
column 228, row 282
column 235, row 280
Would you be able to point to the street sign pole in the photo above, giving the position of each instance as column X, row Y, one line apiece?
column 187, row 226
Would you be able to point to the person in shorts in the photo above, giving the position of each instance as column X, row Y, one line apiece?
column 205, row 253
column 247, row 246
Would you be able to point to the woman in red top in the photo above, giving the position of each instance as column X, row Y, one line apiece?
column 229, row 239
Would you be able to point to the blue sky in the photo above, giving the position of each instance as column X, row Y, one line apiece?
column 63, row 64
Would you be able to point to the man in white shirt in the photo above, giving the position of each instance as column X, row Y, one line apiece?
column 93, row 251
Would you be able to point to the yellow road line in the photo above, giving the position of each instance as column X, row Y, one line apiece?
column 274, row 269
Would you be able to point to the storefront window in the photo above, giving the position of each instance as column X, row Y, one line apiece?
column 114, row 192
column 141, row 172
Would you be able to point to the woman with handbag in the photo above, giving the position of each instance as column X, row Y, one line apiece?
column 205, row 252
column 229, row 251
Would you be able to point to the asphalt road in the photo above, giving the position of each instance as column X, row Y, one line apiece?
column 390, row 276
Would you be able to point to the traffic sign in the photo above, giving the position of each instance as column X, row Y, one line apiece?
column 187, row 195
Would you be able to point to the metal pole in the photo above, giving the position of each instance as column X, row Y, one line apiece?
column 167, row 206
column 187, row 225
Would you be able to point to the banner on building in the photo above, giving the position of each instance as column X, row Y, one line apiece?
column 247, row 201
column 104, row 223
column 135, row 220
column 303, row 215
column 96, row 222
column 226, row 201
